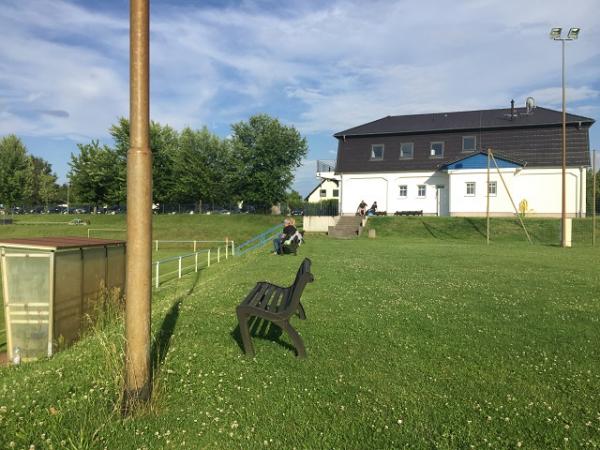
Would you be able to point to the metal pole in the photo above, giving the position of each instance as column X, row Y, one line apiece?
column 487, row 202
column 208, row 259
column 232, row 248
column 194, row 245
column 594, row 197
column 157, row 273
column 218, row 254
column 196, row 262
column 226, row 248
column 180, row 267
column 563, row 240
column 139, row 214
column 156, row 243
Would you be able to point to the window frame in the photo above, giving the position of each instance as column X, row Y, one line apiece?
column 431, row 148
column 322, row 193
column 335, row 193
column 372, row 158
column 495, row 184
column 419, row 186
column 467, row 183
column 474, row 144
column 412, row 153
column 405, row 186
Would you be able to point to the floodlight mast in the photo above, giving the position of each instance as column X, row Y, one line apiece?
column 139, row 215
column 556, row 34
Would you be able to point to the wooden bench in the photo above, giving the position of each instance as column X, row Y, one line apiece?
column 409, row 213
column 275, row 304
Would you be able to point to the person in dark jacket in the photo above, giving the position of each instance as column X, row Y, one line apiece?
column 372, row 210
column 288, row 231
column 362, row 209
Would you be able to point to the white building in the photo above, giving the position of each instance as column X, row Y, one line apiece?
column 327, row 189
column 437, row 163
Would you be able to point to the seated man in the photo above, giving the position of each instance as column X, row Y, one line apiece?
column 288, row 231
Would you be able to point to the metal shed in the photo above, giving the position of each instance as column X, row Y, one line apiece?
column 50, row 285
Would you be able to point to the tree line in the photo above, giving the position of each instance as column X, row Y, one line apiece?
column 255, row 164
column 24, row 178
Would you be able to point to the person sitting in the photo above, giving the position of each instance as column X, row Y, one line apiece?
column 372, row 210
column 288, row 231
column 362, row 209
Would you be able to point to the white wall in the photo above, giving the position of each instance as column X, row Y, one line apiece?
column 318, row 223
column 540, row 187
column 384, row 189
column 329, row 187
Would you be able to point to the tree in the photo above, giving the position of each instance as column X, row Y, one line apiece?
column 95, row 174
column 202, row 167
column 294, row 200
column 164, row 143
column 265, row 153
column 15, row 166
column 41, row 179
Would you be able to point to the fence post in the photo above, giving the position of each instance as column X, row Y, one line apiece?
column 180, row 267
column 157, row 273
column 232, row 248
column 226, row 249
column 196, row 260
column 156, row 243
column 208, row 265
column 218, row 254
column 194, row 245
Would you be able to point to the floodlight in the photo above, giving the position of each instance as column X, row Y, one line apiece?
column 555, row 33
column 573, row 33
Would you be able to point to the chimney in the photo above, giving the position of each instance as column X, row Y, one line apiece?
column 512, row 109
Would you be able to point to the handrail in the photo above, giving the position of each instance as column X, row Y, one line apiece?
column 258, row 240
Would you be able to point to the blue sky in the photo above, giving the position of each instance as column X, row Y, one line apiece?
column 322, row 66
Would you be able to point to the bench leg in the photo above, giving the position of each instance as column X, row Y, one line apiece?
column 295, row 337
column 245, row 332
column 301, row 313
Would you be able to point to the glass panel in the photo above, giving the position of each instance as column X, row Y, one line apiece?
column 377, row 152
column 30, row 337
column 469, row 143
column 437, row 149
column 28, row 279
column 406, row 150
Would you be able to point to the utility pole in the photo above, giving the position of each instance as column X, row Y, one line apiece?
column 594, row 197
column 139, row 214
column 487, row 201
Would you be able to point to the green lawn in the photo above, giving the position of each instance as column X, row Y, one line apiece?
column 414, row 339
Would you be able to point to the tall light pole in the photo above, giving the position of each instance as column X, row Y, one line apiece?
column 556, row 34
column 139, row 213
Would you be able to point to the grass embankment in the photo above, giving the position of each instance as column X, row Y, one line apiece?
column 412, row 342
column 542, row 231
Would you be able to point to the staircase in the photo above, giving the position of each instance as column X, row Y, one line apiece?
column 348, row 227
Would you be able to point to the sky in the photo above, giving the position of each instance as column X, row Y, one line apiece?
column 321, row 66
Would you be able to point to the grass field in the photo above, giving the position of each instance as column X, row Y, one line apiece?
column 415, row 340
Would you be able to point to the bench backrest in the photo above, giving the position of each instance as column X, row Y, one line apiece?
column 303, row 277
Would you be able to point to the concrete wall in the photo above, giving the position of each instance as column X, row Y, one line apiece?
column 318, row 224
column 446, row 192
column 541, row 188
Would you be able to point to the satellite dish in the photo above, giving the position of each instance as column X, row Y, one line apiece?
column 530, row 104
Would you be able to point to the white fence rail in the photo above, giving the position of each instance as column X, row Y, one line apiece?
column 195, row 244
column 176, row 267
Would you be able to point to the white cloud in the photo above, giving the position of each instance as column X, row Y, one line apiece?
column 321, row 66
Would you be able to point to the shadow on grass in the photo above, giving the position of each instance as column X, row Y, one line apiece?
column 162, row 340
column 262, row 329
column 475, row 226
column 436, row 233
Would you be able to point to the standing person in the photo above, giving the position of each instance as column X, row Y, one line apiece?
column 288, row 231
column 362, row 209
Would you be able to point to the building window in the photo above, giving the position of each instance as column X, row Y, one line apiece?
column 376, row 152
column 469, row 143
column 336, row 193
column 407, row 150
column 437, row 150
column 323, row 192
column 422, row 191
column 470, row 189
column 403, row 190
column 492, row 188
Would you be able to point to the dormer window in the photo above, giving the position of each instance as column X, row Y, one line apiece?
column 469, row 143
column 437, row 150
column 377, row 152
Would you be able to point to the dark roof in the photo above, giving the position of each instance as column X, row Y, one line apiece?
column 462, row 120
column 59, row 242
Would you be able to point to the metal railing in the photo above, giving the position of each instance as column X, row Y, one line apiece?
column 259, row 240
column 325, row 166
column 194, row 243
column 177, row 266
